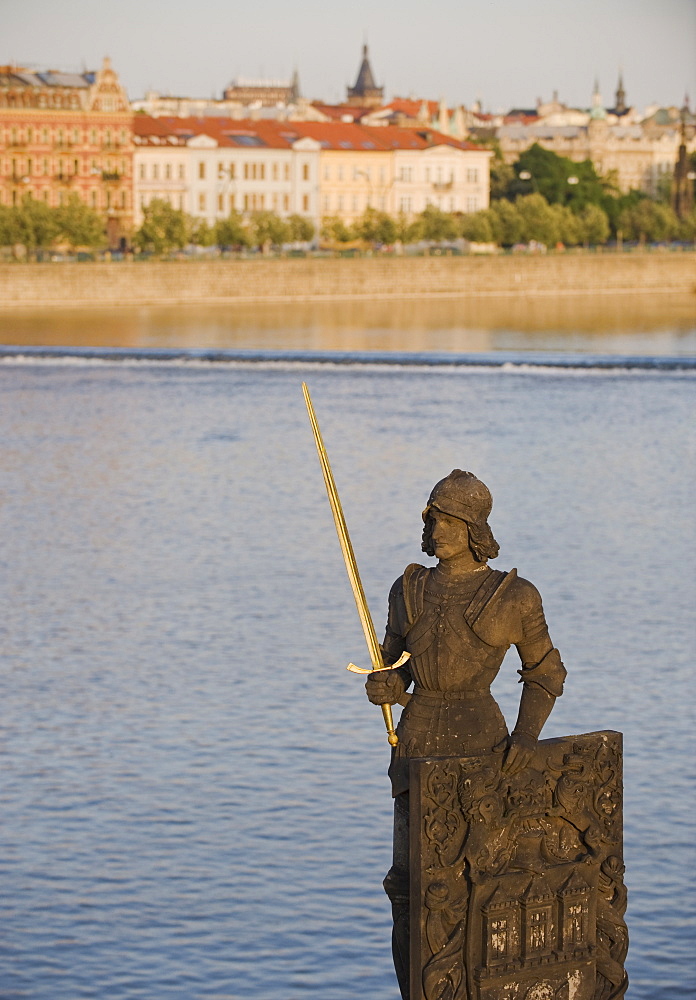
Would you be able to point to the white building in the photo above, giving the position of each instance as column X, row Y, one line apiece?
column 209, row 167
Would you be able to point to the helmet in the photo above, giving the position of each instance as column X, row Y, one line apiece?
column 464, row 496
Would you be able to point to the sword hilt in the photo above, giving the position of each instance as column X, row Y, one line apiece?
column 392, row 738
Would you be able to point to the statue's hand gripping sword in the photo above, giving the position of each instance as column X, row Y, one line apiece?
column 352, row 569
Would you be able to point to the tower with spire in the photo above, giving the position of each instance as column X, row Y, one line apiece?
column 365, row 93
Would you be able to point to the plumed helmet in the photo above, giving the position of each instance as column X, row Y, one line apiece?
column 464, row 496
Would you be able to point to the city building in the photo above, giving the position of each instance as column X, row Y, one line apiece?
column 67, row 133
column 210, row 167
column 637, row 155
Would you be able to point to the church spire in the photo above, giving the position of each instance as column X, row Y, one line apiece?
column 365, row 93
column 620, row 101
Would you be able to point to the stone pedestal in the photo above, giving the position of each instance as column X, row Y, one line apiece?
column 516, row 883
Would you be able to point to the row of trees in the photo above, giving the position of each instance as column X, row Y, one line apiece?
column 167, row 228
column 37, row 226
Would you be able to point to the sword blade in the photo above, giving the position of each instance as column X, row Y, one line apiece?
column 349, row 557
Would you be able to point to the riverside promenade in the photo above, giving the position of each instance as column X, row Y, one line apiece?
column 156, row 282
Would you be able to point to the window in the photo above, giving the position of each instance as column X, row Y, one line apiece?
column 472, row 175
column 262, row 171
column 44, row 136
column 182, row 172
column 246, row 202
column 305, row 203
column 201, row 202
column 275, row 171
column 76, row 166
column 232, row 203
column 168, row 171
column 286, row 202
column 406, row 174
column 246, row 171
column 30, row 166
column 327, row 203
column 47, row 196
column 201, row 171
column 30, row 135
column 472, row 204
column 286, row 172
column 221, row 203
column 45, row 167
column 305, row 171
column 181, row 202
column 93, row 137
column 155, row 171
column 405, row 205
column 339, row 203
column 76, row 135
column 124, row 199
column 340, row 172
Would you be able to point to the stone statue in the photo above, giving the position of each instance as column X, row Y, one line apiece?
column 457, row 620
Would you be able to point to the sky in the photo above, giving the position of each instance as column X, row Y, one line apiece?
column 507, row 53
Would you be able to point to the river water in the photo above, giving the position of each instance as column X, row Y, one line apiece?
column 194, row 798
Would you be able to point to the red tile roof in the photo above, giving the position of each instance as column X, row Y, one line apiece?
column 282, row 135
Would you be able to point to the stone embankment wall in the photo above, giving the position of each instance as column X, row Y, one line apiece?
column 220, row 281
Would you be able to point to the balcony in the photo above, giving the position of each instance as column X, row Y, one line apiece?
column 111, row 175
column 440, row 186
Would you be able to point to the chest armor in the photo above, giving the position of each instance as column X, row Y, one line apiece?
column 447, row 654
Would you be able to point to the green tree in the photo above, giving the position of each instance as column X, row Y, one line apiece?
column 301, row 229
column 79, row 225
column 268, row 230
column 37, row 225
column 567, row 225
column 201, row 234
column 9, row 226
column 164, row 228
column 437, row 225
column 506, row 222
column 376, row 227
column 476, row 227
column 502, row 173
column 335, row 230
column 232, row 231
column 648, row 220
column 593, row 225
column 538, row 221
column 559, row 179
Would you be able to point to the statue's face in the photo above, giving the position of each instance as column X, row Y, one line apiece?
column 450, row 535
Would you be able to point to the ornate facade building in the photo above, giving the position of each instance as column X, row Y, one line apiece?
column 67, row 133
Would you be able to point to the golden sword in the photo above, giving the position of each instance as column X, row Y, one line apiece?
column 352, row 570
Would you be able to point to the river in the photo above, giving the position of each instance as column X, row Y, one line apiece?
column 194, row 799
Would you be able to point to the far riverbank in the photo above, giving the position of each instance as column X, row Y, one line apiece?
column 70, row 285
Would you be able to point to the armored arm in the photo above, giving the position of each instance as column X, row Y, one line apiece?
column 388, row 686
column 542, row 677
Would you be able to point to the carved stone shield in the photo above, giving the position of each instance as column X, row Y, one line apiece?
column 517, row 882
